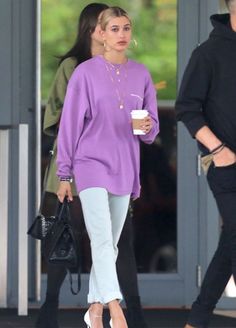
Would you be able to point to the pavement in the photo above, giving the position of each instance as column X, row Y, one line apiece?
column 156, row 318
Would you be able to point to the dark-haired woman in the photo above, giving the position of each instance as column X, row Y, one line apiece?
column 88, row 44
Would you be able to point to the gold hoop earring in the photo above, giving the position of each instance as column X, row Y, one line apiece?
column 135, row 42
column 106, row 48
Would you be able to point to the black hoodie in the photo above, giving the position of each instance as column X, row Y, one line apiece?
column 207, row 94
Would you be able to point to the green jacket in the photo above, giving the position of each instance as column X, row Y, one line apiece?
column 52, row 116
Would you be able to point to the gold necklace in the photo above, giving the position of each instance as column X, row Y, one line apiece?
column 110, row 68
column 115, row 67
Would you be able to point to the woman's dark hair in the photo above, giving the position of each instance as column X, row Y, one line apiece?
column 88, row 18
column 227, row 2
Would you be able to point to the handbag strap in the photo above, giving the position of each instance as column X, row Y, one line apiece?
column 75, row 292
column 61, row 208
column 51, row 152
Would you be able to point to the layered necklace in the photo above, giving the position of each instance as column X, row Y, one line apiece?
column 117, row 74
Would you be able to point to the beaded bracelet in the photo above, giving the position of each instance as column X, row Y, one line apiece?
column 68, row 179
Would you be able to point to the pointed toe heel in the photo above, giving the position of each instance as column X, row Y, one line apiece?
column 87, row 319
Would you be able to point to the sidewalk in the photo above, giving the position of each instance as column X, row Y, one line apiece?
column 156, row 318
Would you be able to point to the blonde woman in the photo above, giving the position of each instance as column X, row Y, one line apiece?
column 97, row 147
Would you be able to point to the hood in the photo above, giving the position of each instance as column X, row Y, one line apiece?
column 222, row 27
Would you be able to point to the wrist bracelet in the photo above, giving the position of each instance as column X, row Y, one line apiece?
column 217, row 149
column 68, row 179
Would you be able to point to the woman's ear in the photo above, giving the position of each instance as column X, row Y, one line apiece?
column 102, row 33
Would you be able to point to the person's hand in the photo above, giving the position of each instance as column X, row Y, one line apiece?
column 225, row 157
column 146, row 124
column 64, row 191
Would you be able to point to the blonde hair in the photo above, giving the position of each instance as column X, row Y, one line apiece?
column 110, row 13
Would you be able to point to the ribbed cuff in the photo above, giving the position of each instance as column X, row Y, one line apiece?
column 106, row 298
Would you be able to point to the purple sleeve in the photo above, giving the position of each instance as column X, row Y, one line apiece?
column 74, row 113
column 150, row 103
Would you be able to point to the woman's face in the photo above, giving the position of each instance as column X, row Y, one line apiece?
column 117, row 34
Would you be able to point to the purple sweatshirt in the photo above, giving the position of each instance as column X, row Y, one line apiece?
column 95, row 140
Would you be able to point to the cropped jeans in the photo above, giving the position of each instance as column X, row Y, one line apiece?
column 104, row 216
column 222, row 181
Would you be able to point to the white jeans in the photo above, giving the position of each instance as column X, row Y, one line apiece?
column 104, row 216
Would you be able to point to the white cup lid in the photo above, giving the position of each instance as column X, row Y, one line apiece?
column 139, row 113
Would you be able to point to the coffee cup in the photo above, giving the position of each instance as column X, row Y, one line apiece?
column 138, row 115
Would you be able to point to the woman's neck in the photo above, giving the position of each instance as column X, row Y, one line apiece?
column 115, row 57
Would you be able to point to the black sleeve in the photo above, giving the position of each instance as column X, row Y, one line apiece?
column 193, row 92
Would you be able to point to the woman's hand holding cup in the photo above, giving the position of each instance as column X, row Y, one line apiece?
column 147, row 125
column 141, row 121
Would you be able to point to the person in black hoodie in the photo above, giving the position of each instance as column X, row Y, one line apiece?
column 206, row 104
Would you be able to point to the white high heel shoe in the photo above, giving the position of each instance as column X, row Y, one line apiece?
column 87, row 319
column 110, row 323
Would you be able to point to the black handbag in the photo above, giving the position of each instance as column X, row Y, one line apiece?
column 41, row 224
column 60, row 245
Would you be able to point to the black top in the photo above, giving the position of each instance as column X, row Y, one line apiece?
column 207, row 94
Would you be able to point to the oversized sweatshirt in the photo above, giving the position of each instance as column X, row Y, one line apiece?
column 207, row 94
column 95, row 140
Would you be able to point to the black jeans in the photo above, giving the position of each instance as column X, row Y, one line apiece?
column 222, row 181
